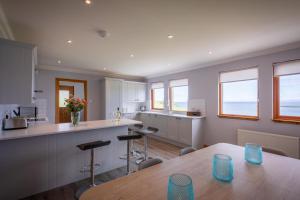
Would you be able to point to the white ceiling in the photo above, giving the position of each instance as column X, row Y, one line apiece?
column 228, row 28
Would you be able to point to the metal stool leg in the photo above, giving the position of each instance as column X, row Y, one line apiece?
column 146, row 147
column 92, row 169
column 128, row 156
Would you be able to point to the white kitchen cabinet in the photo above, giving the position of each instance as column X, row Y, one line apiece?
column 135, row 91
column 113, row 96
column 184, row 131
column 126, row 95
column 173, row 126
column 131, row 93
column 160, row 122
column 17, row 64
column 185, row 128
column 141, row 92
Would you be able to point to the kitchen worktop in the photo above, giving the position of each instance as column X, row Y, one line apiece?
column 49, row 129
column 173, row 115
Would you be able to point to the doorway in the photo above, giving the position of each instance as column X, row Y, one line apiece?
column 66, row 88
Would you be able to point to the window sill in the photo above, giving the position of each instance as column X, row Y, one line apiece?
column 157, row 109
column 253, row 118
column 288, row 121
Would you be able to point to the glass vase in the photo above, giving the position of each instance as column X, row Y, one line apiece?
column 253, row 153
column 222, row 167
column 180, row 187
column 75, row 118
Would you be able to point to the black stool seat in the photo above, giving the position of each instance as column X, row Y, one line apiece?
column 148, row 130
column 129, row 137
column 93, row 145
column 135, row 127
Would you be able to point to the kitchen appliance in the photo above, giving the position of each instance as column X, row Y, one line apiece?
column 142, row 108
column 28, row 111
column 193, row 113
column 14, row 123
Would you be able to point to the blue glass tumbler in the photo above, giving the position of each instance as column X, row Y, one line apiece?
column 222, row 167
column 253, row 153
column 180, row 187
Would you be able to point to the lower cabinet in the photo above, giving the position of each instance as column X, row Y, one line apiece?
column 186, row 131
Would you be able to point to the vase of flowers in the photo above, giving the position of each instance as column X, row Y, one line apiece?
column 75, row 106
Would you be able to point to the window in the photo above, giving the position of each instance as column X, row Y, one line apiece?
column 238, row 94
column 63, row 95
column 157, row 96
column 286, row 94
column 178, row 94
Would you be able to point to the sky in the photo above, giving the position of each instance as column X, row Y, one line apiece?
column 242, row 91
column 290, row 88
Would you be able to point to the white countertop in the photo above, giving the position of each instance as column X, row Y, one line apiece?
column 49, row 129
column 173, row 115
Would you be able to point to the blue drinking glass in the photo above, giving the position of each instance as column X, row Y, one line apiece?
column 180, row 187
column 222, row 167
column 253, row 153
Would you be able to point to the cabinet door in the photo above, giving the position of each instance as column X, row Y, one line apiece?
column 162, row 122
column 173, row 128
column 113, row 97
column 17, row 70
column 131, row 94
column 185, row 131
column 141, row 92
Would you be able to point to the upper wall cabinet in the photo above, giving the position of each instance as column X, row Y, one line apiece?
column 17, row 63
column 134, row 91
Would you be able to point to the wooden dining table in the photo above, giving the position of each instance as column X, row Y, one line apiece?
column 278, row 177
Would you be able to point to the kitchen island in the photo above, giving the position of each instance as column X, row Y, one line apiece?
column 44, row 157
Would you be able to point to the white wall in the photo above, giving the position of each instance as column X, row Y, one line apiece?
column 203, row 84
column 45, row 80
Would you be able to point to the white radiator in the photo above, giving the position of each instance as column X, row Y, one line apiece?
column 287, row 144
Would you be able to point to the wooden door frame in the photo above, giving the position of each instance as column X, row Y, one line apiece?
column 57, row 80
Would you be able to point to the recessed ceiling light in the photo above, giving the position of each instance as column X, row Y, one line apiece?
column 88, row 2
column 104, row 68
column 131, row 55
column 170, row 36
column 210, row 52
column 69, row 41
column 59, row 61
column 169, row 64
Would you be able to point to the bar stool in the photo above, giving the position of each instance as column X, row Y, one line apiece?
column 145, row 133
column 131, row 130
column 128, row 138
column 149, row 163
column 186, row 150
column 90, row 146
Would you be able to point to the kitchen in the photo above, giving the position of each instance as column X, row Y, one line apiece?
column 143, row 100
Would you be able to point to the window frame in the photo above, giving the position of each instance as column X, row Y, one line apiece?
column 276, row 99
column 152, row 97
column 170, row 96
column 233, row 116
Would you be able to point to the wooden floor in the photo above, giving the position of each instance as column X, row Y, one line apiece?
column 156, row 149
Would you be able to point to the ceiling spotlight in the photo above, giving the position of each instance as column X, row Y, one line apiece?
column 210, row 52
column 169, row 64
column 170, row 36
column 104, row 69
column 131, row 55
column 59, row 62
column 69, row 41
column 88, row 2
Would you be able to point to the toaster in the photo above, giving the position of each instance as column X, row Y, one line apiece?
column 14, row 123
